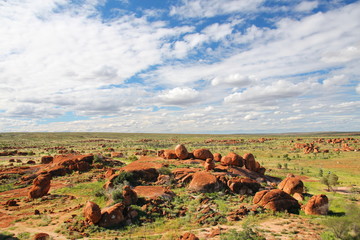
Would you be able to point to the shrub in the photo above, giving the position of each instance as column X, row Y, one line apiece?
column 164, row 171
column 330, row 180
column 124, row 177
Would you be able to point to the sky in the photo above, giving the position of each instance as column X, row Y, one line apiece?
column 179, row 66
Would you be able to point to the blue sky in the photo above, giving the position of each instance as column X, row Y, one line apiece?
column 185, row 66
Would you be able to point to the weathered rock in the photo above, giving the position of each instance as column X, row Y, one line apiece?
column 41, row 186
column 144, row 169
column 317, row 205
column 188, row 236
column 112, row 216
column 181, row 152
column 232, row 159
column 109, row 173
column 41, row 236
column 217, row 157
column 92, row 212
column 291, row 185
column 11, row 202
column 167, row 154
column 57, row 171
column 209, row 164
column 243, row 186
column 130, row 196
column 46, row 159
column 153, row 192
column 204, row 182
column 249, row 162
column 298, row 196
column 202, row 154
column 276, row 200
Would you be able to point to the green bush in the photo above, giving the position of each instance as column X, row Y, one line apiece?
column 164, row 171
column 123, row 178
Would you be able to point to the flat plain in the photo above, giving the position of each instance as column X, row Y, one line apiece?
column 168, row 206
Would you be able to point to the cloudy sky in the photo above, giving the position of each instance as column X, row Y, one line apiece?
column 180, row 66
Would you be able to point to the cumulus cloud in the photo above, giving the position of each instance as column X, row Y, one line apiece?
column 264, row 94
column 235, row 80
column 358, row 89
column 179, row 96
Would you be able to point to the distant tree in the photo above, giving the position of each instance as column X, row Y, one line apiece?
column 321, row 173
column 330, row 180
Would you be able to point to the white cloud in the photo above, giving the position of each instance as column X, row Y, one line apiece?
column 358, row 89
column 211, row 8
column 234, row 80
column 265, row 94
column 306, row 6
column 179, row 96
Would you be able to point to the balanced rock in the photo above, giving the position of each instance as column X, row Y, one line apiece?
column 41, row 186
column 181, row 152
column 276, row 200
column 202, row 154
column 204, row 182
column 291, row 185
column 209, row 164
column 317, row 205
column 92, row 212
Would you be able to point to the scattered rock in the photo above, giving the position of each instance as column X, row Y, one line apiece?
column 112, row 216
column 41, row 236
column 204, row 182
column 153, row 192
column 130, row 196
column 41, row 186
column 217, row 157
column 202, row 154
column 317, row 205
column 276, row 200
column 116, row 155
column 11, row 203
column 243, row 186
column 298, row 196
column 46, row 159
column 209, row 164
column 291, row 185
column 232, row 159
column 188, row 236
column 181, row 152
column 92, row 212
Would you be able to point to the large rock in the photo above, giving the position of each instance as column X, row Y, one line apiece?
column 144, row 169
column 276, row 200
column 167, row 154
column 232, row 159
column 41, row 186
column 249, row 162
column 243, row 185
column 204, row 182
column 291, row 185
column 112, row 216
column 202, row 154
column 181, row 152
column 92, row 212
column 41, row 236
column 317, row 205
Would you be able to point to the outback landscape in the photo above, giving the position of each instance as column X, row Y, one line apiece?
column 179, row 186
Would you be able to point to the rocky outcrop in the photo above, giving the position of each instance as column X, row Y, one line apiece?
column 153, row 192
column 317, row 205
column 217, row 157
column 276, row 200
column 46, row 159
column 209, row 164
